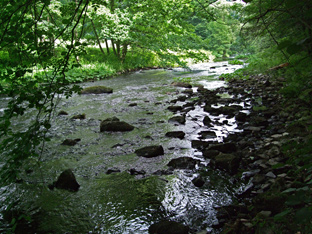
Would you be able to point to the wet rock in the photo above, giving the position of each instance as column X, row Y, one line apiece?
column 115, row 125
column 181, row 84
column 112, row 170
column 178, row 119
column 183, row 163
column 224, row 148
column 241, row 117
column 227, row 162
column 79, row 116
column 133, row 171
column 168, row 227
column 211, row 154
column 208, row 134
column 71, row 142
column 176, row 134
column 62, row 113
column 200, row 144
column 66, row 181
column 198, row 181
column 207, row 121
column 188, row 91
column 150, row 151
column 175, row 108
column 96, row 90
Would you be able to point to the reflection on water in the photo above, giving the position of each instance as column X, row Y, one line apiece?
column 120, row 202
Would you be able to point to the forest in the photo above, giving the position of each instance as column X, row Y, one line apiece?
column 48, row 48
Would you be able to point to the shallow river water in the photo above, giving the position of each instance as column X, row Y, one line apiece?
column 120, row 202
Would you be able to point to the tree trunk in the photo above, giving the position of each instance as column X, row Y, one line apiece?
column 97, row 37
column 124, row 52
column 107, row 48
column 113, row 45
column 118, row 48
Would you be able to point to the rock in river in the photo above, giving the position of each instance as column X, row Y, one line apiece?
column 168, row 227
column 176, row 134
column 71, row 142
column 96, row 90
column 66, row 181
column 227, row 162
column 150, row 151
column 115, row 125
column 183, row 163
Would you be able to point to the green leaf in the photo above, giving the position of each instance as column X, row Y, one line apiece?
column 281, row 215
column 303, row 215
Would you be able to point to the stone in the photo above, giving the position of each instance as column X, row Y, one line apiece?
column 181, row 84
column 224, row 148
column 208, row 134
column 115, row 125
column 178, row 119
column 207, row 121
column 199, row 144
column 198, row 181
column 168, row 227
column 183, row 163
column 62, row 113
column 71, row 142
column 96, row 90
column 175, row 108
column 227, row 162
column 241, row 117
column 150, row 151
column 270, row 174
column 79, row 116
column 176, row 134
column 134, row 171
column 67, row 181
column 211, row 154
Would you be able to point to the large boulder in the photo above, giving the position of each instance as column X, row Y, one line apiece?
column 168, row 227
column 96, row 90
column 183, row 163
column 67, row 181
column 115, row 125
column 150, row 151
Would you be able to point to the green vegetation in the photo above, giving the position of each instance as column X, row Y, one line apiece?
column 45, row 45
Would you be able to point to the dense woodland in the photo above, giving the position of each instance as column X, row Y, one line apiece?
column 48, row 46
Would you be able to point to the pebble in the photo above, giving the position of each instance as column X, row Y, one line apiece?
column 270, row 174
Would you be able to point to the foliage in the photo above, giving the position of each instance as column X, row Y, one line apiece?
column 237, row 74
column 236, row 62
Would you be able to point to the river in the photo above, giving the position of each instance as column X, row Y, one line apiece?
column 121, row 202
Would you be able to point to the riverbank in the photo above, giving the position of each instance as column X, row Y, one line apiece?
column 272, row 155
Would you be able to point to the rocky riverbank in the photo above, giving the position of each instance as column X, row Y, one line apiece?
column 277, row 198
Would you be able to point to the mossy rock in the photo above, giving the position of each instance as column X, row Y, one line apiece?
column 115, row 125
column 150, row 151
column 96, row 90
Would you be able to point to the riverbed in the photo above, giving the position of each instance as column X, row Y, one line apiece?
column 139, row 192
